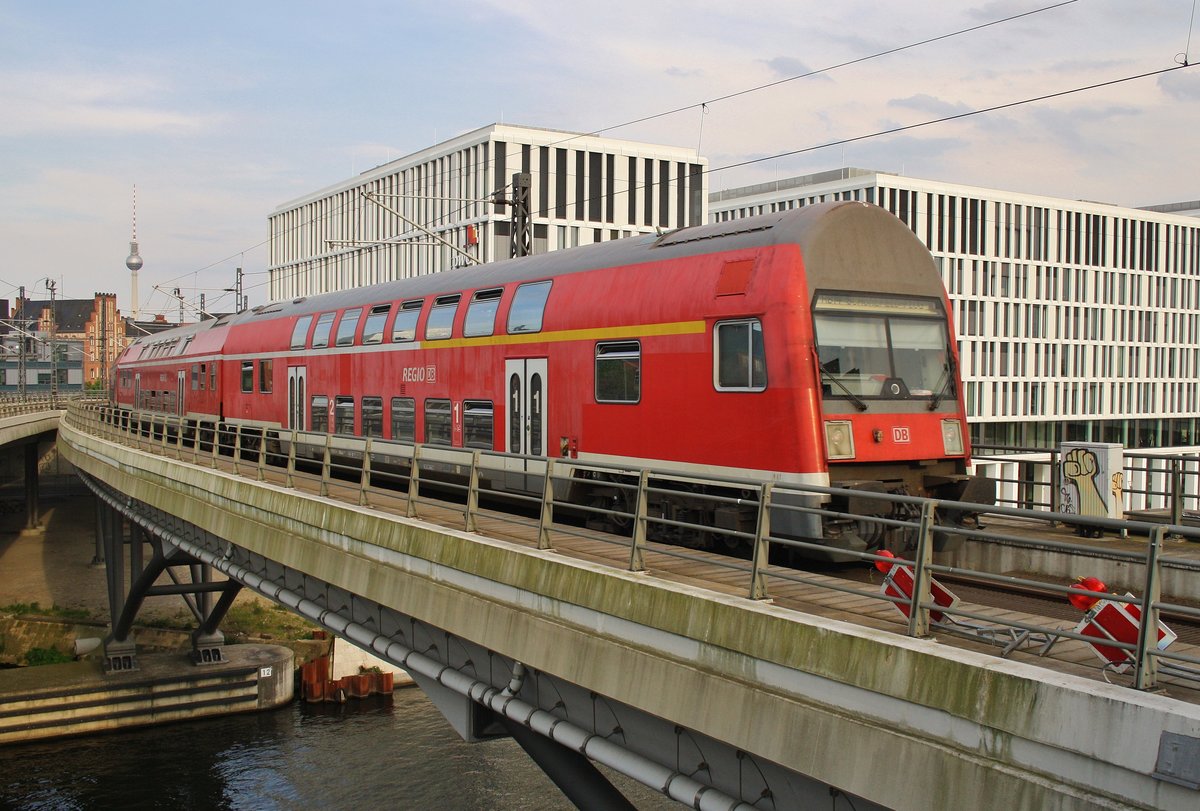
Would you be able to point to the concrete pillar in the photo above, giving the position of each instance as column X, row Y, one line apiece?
column 32, row 508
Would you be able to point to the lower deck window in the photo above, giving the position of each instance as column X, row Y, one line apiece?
column 372, row 416
column 404, row 419
column 343, row 411
column 437, row 423
column 619, row 372
column 478, row 423
column 320, row 413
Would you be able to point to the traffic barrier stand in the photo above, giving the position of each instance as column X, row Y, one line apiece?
column 898, row 585
column 1114, row 621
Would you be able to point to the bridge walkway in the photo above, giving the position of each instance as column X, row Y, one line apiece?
column 810, row 592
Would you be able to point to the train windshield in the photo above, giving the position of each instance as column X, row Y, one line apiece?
column 882, row 348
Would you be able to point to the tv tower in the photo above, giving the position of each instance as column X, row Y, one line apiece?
column 134, row 262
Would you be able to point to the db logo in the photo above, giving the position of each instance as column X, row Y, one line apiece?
column 900, row 434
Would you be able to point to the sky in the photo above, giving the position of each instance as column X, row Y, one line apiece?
column 220, row 112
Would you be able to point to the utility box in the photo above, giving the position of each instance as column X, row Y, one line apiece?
column 1091, row 479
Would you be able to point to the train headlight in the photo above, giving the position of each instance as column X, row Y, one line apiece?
column 952, row 441
column 839, row 439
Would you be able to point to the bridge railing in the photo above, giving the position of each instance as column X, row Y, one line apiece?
column 553, row 496
column 13, row 405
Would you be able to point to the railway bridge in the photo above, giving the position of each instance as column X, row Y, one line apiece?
column 724, row 683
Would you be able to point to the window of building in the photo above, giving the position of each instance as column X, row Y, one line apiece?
column 247, row 375
column 321, row 332
column 265, row 368
column 528, row 307
column 347, row 327
column 437, row 423
column 372, row 416
column 740, row 355
column 373, row 327
column 441, row 318
column 300, row 331
column 319, row 411
column 481, row 313
column 343, row 414
column 478, row 423
column 618, row 372
column 405, row 328
column 404, row 419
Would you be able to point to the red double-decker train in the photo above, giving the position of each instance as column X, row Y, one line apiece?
column 810, row 347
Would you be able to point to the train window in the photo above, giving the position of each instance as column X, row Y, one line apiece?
column 405, row 328
column 373, row 328
column 740, row 356
column 320, row 413
column 441, row 318
column 477, row 424
column 264, row 376
column 528, row 307
column 212, row 377
column 300, row 332
column 343, row 414
column 247, row 375
column 372, row 416
column 321, row 332
column 404, row 419
column 203, row 375
column 481, row 314
column 347, row 327
column 195, row 377
column 618, row 372
column 437, row 422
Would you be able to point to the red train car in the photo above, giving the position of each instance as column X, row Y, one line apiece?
column 811, row 346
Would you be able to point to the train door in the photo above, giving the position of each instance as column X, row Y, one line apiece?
column 297, row 397
column 180, row 380
column 525, row 420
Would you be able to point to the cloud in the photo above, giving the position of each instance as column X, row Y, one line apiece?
column 1181, row 86
column 77, row 103
column 924, row 103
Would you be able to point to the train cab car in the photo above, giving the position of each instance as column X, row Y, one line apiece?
column 808, row 347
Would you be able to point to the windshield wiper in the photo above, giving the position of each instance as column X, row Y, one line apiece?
column 944, row 382
column 827, row 375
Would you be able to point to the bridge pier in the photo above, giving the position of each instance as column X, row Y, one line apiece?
column 197, row 590
column 32, row 505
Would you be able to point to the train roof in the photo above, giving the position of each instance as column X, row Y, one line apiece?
column 803, row 226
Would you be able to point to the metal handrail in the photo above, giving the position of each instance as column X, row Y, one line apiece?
column 361, row 465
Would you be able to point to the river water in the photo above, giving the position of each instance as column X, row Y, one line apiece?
column 383, row 752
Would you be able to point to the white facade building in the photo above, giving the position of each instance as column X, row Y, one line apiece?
column 1075, row 320
column 435, row 210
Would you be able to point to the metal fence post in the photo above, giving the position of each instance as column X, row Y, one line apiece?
column 364, row 482
column 237, row 450
column 1147, row 642
column 326, row 465
column 262, row 454
column 414, row 482
column 472, row 494
column 291, row 463
column 216, row 443
column 922, row 595
column 1176, row 491
column 547, row 517
column 637, row 557
column 762, row 546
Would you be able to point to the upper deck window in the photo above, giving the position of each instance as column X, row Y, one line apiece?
column 300, row 332
column 321, row 332
column 740, row 355
column 481, row 314
column 441, row 318
column 528, row 307
column 373, row 328
column 405, row 328
column 347, row 327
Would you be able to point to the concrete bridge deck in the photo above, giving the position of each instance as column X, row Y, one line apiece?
column 806, row 687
